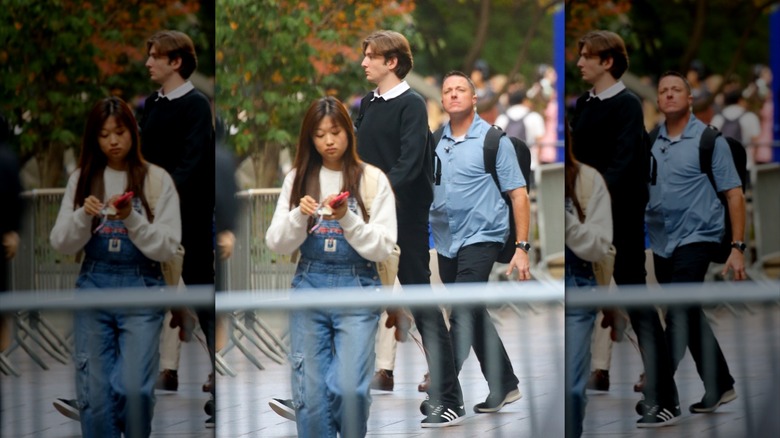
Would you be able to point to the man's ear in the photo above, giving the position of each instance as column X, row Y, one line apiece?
column 175, row 63
column 607, row 63
column 391, row 63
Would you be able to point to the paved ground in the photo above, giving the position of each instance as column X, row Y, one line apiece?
column 533, row 339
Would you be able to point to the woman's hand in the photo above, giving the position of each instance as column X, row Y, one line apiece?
column 93, row 206
column 338, row 212
column 308, row 206
column 122, row 211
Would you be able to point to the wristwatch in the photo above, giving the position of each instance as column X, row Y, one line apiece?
column 525, row 246
column 739, row 245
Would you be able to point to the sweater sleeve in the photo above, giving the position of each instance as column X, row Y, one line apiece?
column 288, row 227
column 198, row 145
column 414, row 140
column 158, row 240
column 629, row 145
column 373, row 240
column 590, row 240
column 72, row 229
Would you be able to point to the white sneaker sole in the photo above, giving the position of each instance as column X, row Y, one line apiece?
column 727, row 396
column 282, row 410
column 67, row 410
column 447, row 424
column 512, row 397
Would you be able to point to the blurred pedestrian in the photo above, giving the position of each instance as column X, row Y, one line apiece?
column 10, row 220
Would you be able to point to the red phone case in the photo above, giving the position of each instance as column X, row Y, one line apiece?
column 335, row 202
column 122, row 200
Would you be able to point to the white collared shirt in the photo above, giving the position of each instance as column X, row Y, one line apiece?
column 393, row 92
column 612, row 91
column 178, row 92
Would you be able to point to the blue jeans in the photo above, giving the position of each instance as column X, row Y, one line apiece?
column 332, row 354
column 117, row 354
column 579, row 327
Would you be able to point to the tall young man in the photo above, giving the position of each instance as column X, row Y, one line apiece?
column 608, row 134
column 177, row 134
column 685, row 221
column 393, row 135
column 470, row 222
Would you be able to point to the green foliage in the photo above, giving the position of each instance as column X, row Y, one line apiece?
column 276, row 57
column 58, row 57
column 447, row 32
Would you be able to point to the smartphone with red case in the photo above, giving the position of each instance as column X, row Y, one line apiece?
column 336, row 202
column 122, row 200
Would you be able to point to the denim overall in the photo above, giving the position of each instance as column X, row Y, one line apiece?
column 579, row 328
column 332, row 353
column 117, row 350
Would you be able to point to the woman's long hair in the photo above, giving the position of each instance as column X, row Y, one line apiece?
column 571, row 170
column 92, row 160
column 308, row 161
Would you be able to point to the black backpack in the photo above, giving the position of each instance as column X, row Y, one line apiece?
column 490, row 152
column 739, row 157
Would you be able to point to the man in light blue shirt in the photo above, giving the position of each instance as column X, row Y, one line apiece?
column 470, row 223
column 685, row 221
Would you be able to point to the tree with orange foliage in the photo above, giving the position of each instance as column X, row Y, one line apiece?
column 58, row 57
column 275, row 58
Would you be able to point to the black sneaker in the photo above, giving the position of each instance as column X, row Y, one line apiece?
column 210, row 423
column 167, row 380
column 709, row 403
column 444, row 416
column 494, row 402
column 284, row 408
column 427, row 406
column 657, row 416
column 68, row 408
column 643, row 406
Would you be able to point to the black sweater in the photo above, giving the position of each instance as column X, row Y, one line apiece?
column 609, row 135
column 393, row 136
column 178, row 135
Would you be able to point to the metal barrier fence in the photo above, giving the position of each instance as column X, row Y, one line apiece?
column 534, row 340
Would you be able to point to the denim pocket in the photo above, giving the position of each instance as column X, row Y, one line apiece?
column 82, row 380
column 299, row 376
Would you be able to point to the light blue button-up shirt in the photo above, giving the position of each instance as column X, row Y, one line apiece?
column 467, row 206
column 683, row 207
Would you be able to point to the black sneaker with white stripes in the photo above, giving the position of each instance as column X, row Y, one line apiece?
column 443, row 416
column 659, row 416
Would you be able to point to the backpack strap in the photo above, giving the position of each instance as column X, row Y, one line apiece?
column 369, row 186
column 490, row 152
column 436, row 160
column 706, row 148
column 583, row 187
column 364, row 103
column 153, row 187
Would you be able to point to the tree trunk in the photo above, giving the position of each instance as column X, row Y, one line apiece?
column 483, row 23
column 50, row 165
column 266, row 165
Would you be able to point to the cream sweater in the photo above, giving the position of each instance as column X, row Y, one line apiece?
column 590, row 240
column 373, row 240
column 157, row 241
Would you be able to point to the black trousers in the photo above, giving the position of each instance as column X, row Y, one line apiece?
column 629, row 241
column 413, row 269
column 687, row 326
column 198, row 268
column 471, row 327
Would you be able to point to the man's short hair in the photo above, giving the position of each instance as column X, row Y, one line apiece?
column 517, row 97
column 677, row 75
column 463, row 75
column 390, row 44
column 606, row 45
column 175, row 45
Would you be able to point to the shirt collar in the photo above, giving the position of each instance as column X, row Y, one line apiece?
column 178, row 92
column 691, row 130
column 475, row 130
column 610, row 92
column 393, row 92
